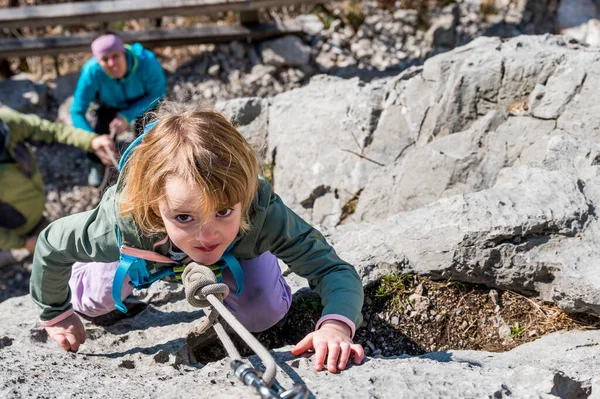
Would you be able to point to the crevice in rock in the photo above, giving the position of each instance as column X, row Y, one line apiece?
column 586, row 217
column 579, row 87
column 374, row 119
column 420, row 132
column 501, row 393
column 541, row 118
column 406, row 147
column 268, row 168
column 567, row 387
column 38, row 334
column 317, row 192
column 5, row 341
column 349, row 207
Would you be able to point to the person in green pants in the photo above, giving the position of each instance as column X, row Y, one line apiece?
column 22, row 194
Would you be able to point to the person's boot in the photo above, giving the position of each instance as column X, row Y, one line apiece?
column 96, row 173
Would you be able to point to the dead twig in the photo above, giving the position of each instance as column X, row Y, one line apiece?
column 363, row 157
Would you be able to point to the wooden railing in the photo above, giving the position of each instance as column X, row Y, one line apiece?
column 119, row 10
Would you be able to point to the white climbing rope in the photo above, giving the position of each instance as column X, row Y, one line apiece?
column 202, row 290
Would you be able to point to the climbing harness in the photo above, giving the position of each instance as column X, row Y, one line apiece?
column 203, row 290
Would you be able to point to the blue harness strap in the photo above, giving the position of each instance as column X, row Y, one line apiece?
column 236, row 269
column 137, row 269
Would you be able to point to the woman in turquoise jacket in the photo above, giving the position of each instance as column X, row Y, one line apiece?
column 124, row 81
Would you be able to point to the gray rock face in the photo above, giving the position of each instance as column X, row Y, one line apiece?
column 250, row 116
column 286, row 51
column 140, row 358
column 534, row 232
column 452, row 93
column 65, row 86
column 481, row 166
column 318, row 134
column 24, row 95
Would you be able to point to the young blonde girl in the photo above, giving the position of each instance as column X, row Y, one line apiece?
column 190, row 192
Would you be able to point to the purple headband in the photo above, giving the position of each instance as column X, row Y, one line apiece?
column 106, row 44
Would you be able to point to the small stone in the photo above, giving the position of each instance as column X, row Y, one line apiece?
column 162, row 357
column 419, row 289
column 371, row 346
column 395, row 320
column 494, row 297
column 127, row 364
column 214, row 70
column 207, row 93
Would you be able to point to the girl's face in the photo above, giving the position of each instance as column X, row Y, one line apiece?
column 204, row 238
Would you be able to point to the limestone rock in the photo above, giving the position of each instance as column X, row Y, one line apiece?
column 285, row 51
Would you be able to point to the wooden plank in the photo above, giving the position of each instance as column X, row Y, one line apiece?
column 249, row 17
column 116, row 10
column 151, row 38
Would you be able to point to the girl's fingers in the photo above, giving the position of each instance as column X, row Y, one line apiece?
column 320, row 354
column 344, row 355
column 73, row 342
column 333, row 356
column 303, row 346
column 62, row 341
column 358, row 353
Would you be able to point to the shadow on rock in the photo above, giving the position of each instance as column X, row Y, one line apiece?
column 142, row 316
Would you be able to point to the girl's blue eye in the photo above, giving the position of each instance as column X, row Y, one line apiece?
column 183, row 218
column 224, row 212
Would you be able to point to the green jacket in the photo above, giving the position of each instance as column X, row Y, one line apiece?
column 21, row 186
column 90, row 236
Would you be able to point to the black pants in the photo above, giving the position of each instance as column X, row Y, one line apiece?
column 102, row 118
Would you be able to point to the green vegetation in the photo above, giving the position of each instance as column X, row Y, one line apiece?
column 394, row 284
column 324, row 15
column 354, row 15
column 516, row 331
column 116, row 26
column 487, row 8
column 309, row 305
column 351, row 15
column 267, row 172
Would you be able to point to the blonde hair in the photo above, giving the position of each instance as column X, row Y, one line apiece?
column 200, row 146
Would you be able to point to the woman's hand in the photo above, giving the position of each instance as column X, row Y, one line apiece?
column 118, row 125
column 30, row 243
column 104, row 148
column 68, row 333
column 331, row 341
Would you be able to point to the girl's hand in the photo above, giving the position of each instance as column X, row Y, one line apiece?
column 333, row 341
column 68, row 333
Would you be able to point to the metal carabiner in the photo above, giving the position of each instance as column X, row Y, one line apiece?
column 251, row 377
